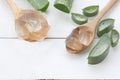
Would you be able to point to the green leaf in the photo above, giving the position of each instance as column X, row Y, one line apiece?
column 91, row 10
column 40, row 5
column 114, row 37
column 79, row 19
column 100, row 50
column 63, row 5
column 105, row 26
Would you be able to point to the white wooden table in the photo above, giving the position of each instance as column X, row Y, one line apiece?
column 49, row 58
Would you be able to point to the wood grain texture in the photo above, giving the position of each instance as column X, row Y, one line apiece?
column 61, row 23
column 49, row 59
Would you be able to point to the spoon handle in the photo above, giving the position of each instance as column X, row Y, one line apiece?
column 14, row 7
column 105, row 9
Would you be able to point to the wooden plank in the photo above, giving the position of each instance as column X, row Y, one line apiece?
column 60, row 23
column 48, row 59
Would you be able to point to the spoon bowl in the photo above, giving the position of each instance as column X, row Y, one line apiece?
column 80, row 38
column 29, row 25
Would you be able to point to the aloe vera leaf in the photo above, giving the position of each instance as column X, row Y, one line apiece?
column 40, row 5
column 63, row 5
column 91, row 10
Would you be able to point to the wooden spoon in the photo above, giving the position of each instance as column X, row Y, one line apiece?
column 29, row 25
column 82, row 36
